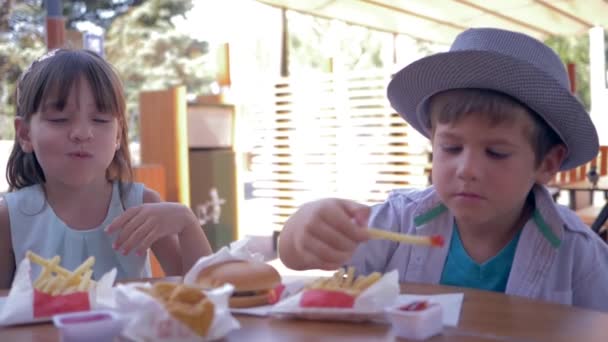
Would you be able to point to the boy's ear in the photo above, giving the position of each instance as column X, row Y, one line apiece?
column 550, row 165
column 22, row 131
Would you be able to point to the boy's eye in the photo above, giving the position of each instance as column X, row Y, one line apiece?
column 451, row 148
column 497, row 155
column 101, row 120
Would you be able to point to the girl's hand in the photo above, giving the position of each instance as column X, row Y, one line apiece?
column 323, row 234
column 140, row 227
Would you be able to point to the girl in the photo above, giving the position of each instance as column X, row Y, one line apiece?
column 70, row 179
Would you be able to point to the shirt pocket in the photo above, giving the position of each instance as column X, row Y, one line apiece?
column 560, row 297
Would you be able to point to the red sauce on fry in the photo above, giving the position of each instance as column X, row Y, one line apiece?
column 437, row 240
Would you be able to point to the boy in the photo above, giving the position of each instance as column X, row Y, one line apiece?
column 502, row 122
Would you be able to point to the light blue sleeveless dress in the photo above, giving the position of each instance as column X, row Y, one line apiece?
column 36, row 227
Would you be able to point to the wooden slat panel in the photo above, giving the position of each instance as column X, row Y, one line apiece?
column 333, row 136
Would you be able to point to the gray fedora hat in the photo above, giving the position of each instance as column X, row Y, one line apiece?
column 508, row 62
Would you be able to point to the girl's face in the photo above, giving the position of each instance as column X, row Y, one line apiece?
column 75, row 145
column 483, row 172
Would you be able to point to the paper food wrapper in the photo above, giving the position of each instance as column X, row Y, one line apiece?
column 148, row 320
column 368, row 305
column 238, row 250
column 25, row 304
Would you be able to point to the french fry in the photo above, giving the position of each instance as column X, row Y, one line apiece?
column 367, row 281
column 46, row 271
column 350, row 275
column 86, row 279
column 433, row 241
column 60, row 286
column 345, row 282
column 56, row 280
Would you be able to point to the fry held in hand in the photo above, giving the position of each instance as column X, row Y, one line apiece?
column 56, row 280
column 433, row 241
column 338, row 291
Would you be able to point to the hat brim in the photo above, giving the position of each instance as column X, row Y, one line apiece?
column 411, row 87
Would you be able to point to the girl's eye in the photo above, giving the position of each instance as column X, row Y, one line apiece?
column 497, row 155
column 57, row 120
column 102, row 117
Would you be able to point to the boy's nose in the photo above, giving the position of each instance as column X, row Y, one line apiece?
column 468, row 167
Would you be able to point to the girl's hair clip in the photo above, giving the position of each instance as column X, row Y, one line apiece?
column 49, row 54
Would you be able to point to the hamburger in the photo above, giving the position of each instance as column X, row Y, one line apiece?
column 254, row 282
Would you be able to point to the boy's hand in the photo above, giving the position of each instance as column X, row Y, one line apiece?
column 323, row 234
column 139, row 227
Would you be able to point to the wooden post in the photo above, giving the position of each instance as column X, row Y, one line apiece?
column 223, row 76
column 284, row 44
column 572, row 77
column 55, row 25
column 164, row 138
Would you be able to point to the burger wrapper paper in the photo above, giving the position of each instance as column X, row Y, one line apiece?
column 368, row 305
column 24, row 304
column 238, row 250
column 146, row 319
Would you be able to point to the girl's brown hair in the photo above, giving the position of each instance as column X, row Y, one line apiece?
column 54, row 74
column 450, row 106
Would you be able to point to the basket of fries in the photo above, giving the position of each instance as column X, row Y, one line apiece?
column 56, row 290
column 344, row 296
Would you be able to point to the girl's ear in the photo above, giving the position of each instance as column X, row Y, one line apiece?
column 118, row 137
column 550, row 165
column 22, row 131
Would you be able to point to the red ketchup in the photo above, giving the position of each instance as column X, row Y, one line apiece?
column 415, row 306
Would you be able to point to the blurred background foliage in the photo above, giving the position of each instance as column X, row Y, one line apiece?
column 149, row 53
column 140, row 41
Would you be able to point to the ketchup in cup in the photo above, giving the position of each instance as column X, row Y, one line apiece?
column 417, row 320
column 89, row 326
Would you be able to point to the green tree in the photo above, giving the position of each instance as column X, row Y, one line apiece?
column 140, row 41
column 150, row 54
column 21, row 41
column 314, row 41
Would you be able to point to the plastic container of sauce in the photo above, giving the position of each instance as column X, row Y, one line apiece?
column 417, row 320
column 90, row 326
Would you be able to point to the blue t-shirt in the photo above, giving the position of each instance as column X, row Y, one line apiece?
column 492, row 275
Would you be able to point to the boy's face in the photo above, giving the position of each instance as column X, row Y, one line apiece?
column 483, row 172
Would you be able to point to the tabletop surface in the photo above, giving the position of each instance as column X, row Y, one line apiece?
column 485, row 316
